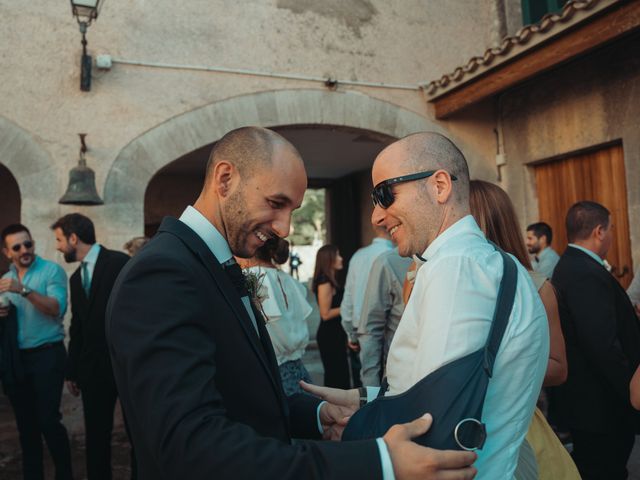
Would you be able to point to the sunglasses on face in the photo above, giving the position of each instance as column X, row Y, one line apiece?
column 27, row 244
column 382, row 193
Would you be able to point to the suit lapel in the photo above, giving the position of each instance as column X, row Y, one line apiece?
column 101, row 264
column 226, row 287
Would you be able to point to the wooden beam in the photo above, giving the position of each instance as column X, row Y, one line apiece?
column 585, row 37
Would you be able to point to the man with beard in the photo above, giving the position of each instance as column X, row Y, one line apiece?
column 37, row 290
column 545, row 258
column 192, row 358
column 89, row 368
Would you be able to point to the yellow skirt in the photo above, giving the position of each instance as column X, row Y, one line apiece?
column 554, row 462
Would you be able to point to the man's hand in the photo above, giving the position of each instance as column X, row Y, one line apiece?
column 411, row 460
column 4, row 311
column 637, row 305
column 10, row 285
column 73, row 388
column 355, row 346
column 343, row 398
column 333, row 419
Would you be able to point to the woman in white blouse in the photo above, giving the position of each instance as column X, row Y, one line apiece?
column 283, row 303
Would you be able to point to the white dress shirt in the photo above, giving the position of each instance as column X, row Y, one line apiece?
column 356, row 283
column 449, row 315
column 286, row 309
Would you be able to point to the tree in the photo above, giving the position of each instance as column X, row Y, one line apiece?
column 309, row 220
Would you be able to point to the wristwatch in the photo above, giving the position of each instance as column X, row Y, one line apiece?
column 25, row 291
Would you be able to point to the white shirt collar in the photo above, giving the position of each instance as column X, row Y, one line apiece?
column 197, row 222
column 92, row 255
column 466, row 224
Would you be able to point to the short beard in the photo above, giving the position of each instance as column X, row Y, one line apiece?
column 70, row 257
column 234, row 211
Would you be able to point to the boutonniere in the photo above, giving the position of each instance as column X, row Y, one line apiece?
column 258, row 292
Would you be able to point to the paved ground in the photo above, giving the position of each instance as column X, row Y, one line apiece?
column 10, row 467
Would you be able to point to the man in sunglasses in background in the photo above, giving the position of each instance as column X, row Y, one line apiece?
column 37, row 291
column 421, row 197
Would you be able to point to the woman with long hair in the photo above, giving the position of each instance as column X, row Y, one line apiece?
column 284, row 305
column 493, row 210
column 332, row 339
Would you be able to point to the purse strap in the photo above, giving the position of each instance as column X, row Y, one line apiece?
column 504, row 305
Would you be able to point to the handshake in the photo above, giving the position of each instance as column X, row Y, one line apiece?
column 409, row 459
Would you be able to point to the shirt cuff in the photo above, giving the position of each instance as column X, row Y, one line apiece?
column 385, row 460
column 372, row 393
column 318, row 417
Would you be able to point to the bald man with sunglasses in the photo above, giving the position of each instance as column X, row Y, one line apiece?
column 421, row 197
column 36, row 290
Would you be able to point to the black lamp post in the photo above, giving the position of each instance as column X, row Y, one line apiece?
column 82, row 182
column 85, row 12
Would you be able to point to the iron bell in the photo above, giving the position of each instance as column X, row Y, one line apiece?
column 82, row 182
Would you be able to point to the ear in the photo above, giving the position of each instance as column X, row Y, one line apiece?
column 72, row 240
column 443, row 185
column 5, row 251
column 224, row 175
column 598, row 232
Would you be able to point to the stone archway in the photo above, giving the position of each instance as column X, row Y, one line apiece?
column 136, row 164
column 30, row 165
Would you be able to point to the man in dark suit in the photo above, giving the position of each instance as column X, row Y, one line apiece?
column 89, row 367
column 603, row 347
column 192, row 358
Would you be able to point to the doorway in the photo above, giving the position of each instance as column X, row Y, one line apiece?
column 599, row 176
column 10, row 210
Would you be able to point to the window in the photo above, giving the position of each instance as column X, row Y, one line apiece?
column 534, row 10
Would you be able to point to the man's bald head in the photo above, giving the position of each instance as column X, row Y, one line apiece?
column 433, row 151
column 248, row 149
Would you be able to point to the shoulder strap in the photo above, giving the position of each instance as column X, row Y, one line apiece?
column 504, row 305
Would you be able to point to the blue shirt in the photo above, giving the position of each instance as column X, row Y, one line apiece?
column 34, row 327
column 545, row 262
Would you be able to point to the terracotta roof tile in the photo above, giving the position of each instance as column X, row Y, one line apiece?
column 546, row 27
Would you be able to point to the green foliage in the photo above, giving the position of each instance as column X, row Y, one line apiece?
column 309, row 220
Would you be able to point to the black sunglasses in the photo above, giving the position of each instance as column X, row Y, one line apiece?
column 27, row 244
column 382, row 193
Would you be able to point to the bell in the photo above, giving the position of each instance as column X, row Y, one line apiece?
column 82, row 183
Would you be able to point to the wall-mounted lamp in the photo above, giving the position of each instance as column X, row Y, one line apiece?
column 82, row 182
column 85, row 11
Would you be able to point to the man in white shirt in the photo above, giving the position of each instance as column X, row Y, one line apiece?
column 354, row 293
column 192, row 356
column 421, row 197
column 545, row 258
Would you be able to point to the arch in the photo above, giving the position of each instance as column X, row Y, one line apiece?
column 31, row 165
column 136, row 164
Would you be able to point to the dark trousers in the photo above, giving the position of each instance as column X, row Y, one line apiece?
column 36, row 404
column 99, row 397
column 356, row 366
column 332, row 343
column 600, row 456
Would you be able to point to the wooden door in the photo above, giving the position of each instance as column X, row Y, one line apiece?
column 598, row 176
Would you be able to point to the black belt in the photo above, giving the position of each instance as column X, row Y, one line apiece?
column 44, row 346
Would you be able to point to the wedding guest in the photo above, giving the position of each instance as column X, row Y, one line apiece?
column 493, row 210
column 332, row 339
column 284, row 305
